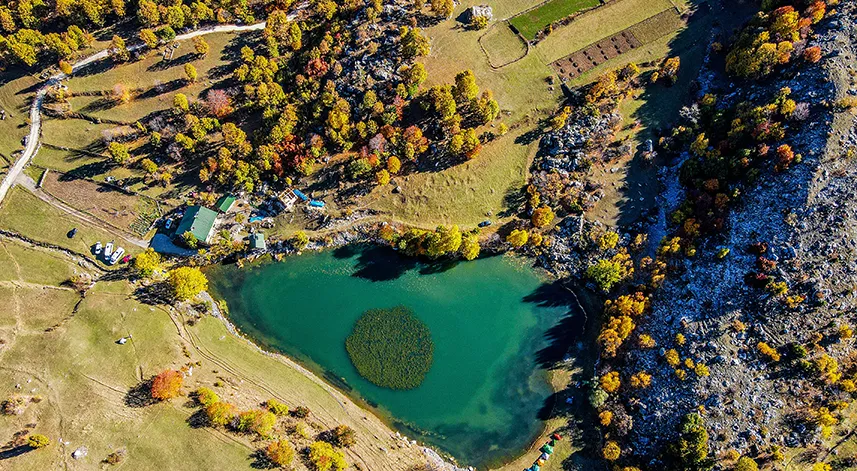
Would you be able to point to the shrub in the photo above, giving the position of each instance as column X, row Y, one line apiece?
column 672, row 358
column 280, row 452
column 598, row 397
column 258, row 421
column 116, row 457
column 608, row 240
column 343, row 436
column 691, row 449
column 220, row 413
column 324, row 457
column 301, row 412
column 746, row 463
column 641, row 380
column 391, row 348
column 38, row 440
column 605, row 417
column 167, row 385
column 277, row 407
column 206, row 397
column 609, row 271
column 812, row 54
column 768, row 351
column 300, row 240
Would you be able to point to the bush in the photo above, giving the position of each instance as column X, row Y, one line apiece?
column 220, row 413
column 391, row 348
column 746, row 463
column 611, row 451
column 206, row 397
column 324, row 457
column 260, row 422
column 343, row 436
column 609, row 271
column 277, row 407
column 301, row 412
column 517, row 238
column 610, row 382
column 167, row 385
column 542, row 216
column 300, row 240
column 38, row 440
column 281, row 452
column 187, row 282
column 116, row 457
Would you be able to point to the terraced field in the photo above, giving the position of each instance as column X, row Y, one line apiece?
column 531, row 22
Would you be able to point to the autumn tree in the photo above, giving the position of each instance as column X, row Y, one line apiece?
column 118, row 50
column 187, row 282
column 382, row 177
column 606, row 272
column 324, row 457
column 394, row 164
column 149, row 38
column 147, row 262
column 220, row 413
column 37, row 441
column 280, row 452
column 465, row 89
column 518, row 237
column 442, row 8
column 167, row 385
column 812, row 54
column 300, row 240
column 190, row 72
column 218, row 102
column 66, row 68
column 260, row 422
column 542, row 216
column 181, row 103
column 200, row 46
column 148, row 13
column 343, row 436
column 470, row 246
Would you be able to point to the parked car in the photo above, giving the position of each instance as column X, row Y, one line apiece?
column 168, row 223
column 108, row 250
column 97, row 247
column 485, row 223
column 72, row 233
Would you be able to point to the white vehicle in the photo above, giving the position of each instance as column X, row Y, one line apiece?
column 108, row 249
column 117, row 255
column 98, row 247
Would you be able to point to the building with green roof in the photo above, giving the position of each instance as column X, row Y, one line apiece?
column 225, row 203
column 257, row 241
column 199, row 221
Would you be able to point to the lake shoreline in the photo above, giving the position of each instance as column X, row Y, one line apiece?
column 347, row 393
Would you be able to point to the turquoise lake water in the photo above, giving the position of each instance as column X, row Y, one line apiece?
column 490, row 320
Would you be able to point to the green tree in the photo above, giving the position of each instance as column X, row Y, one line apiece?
column 746, row 463
column 118, row 152
column 187, row 282
column 148, row 262
column 690, row 451
column 206, row 397
column 260, row 422
column 606, row 273
column 413, row 42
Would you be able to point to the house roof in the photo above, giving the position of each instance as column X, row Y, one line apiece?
column 225, row 202
column 257, row 241
column 199, row 221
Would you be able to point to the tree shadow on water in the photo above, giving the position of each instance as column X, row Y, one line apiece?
column 570, row 329
column 376, row 263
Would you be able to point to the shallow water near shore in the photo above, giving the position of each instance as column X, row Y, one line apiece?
column 492, row 322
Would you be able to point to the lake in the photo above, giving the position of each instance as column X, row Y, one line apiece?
column 492, row 321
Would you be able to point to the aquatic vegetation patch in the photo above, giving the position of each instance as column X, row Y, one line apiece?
column 391, row 348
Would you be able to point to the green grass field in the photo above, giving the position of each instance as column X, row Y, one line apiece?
column 533, row 21
column 71, row 363
column 592, row 26
column 502, row 45
column 15, row 96
column 24, row 213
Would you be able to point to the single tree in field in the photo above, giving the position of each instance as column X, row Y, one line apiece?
column 190, row 72
column 200, row 46
column 187, row 282
column 149, row 38
column 118, row 50
column 38, row 440
column 167, row 385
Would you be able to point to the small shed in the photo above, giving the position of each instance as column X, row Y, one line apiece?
column 225, row 203
column 257, row 241
column 199, row 221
